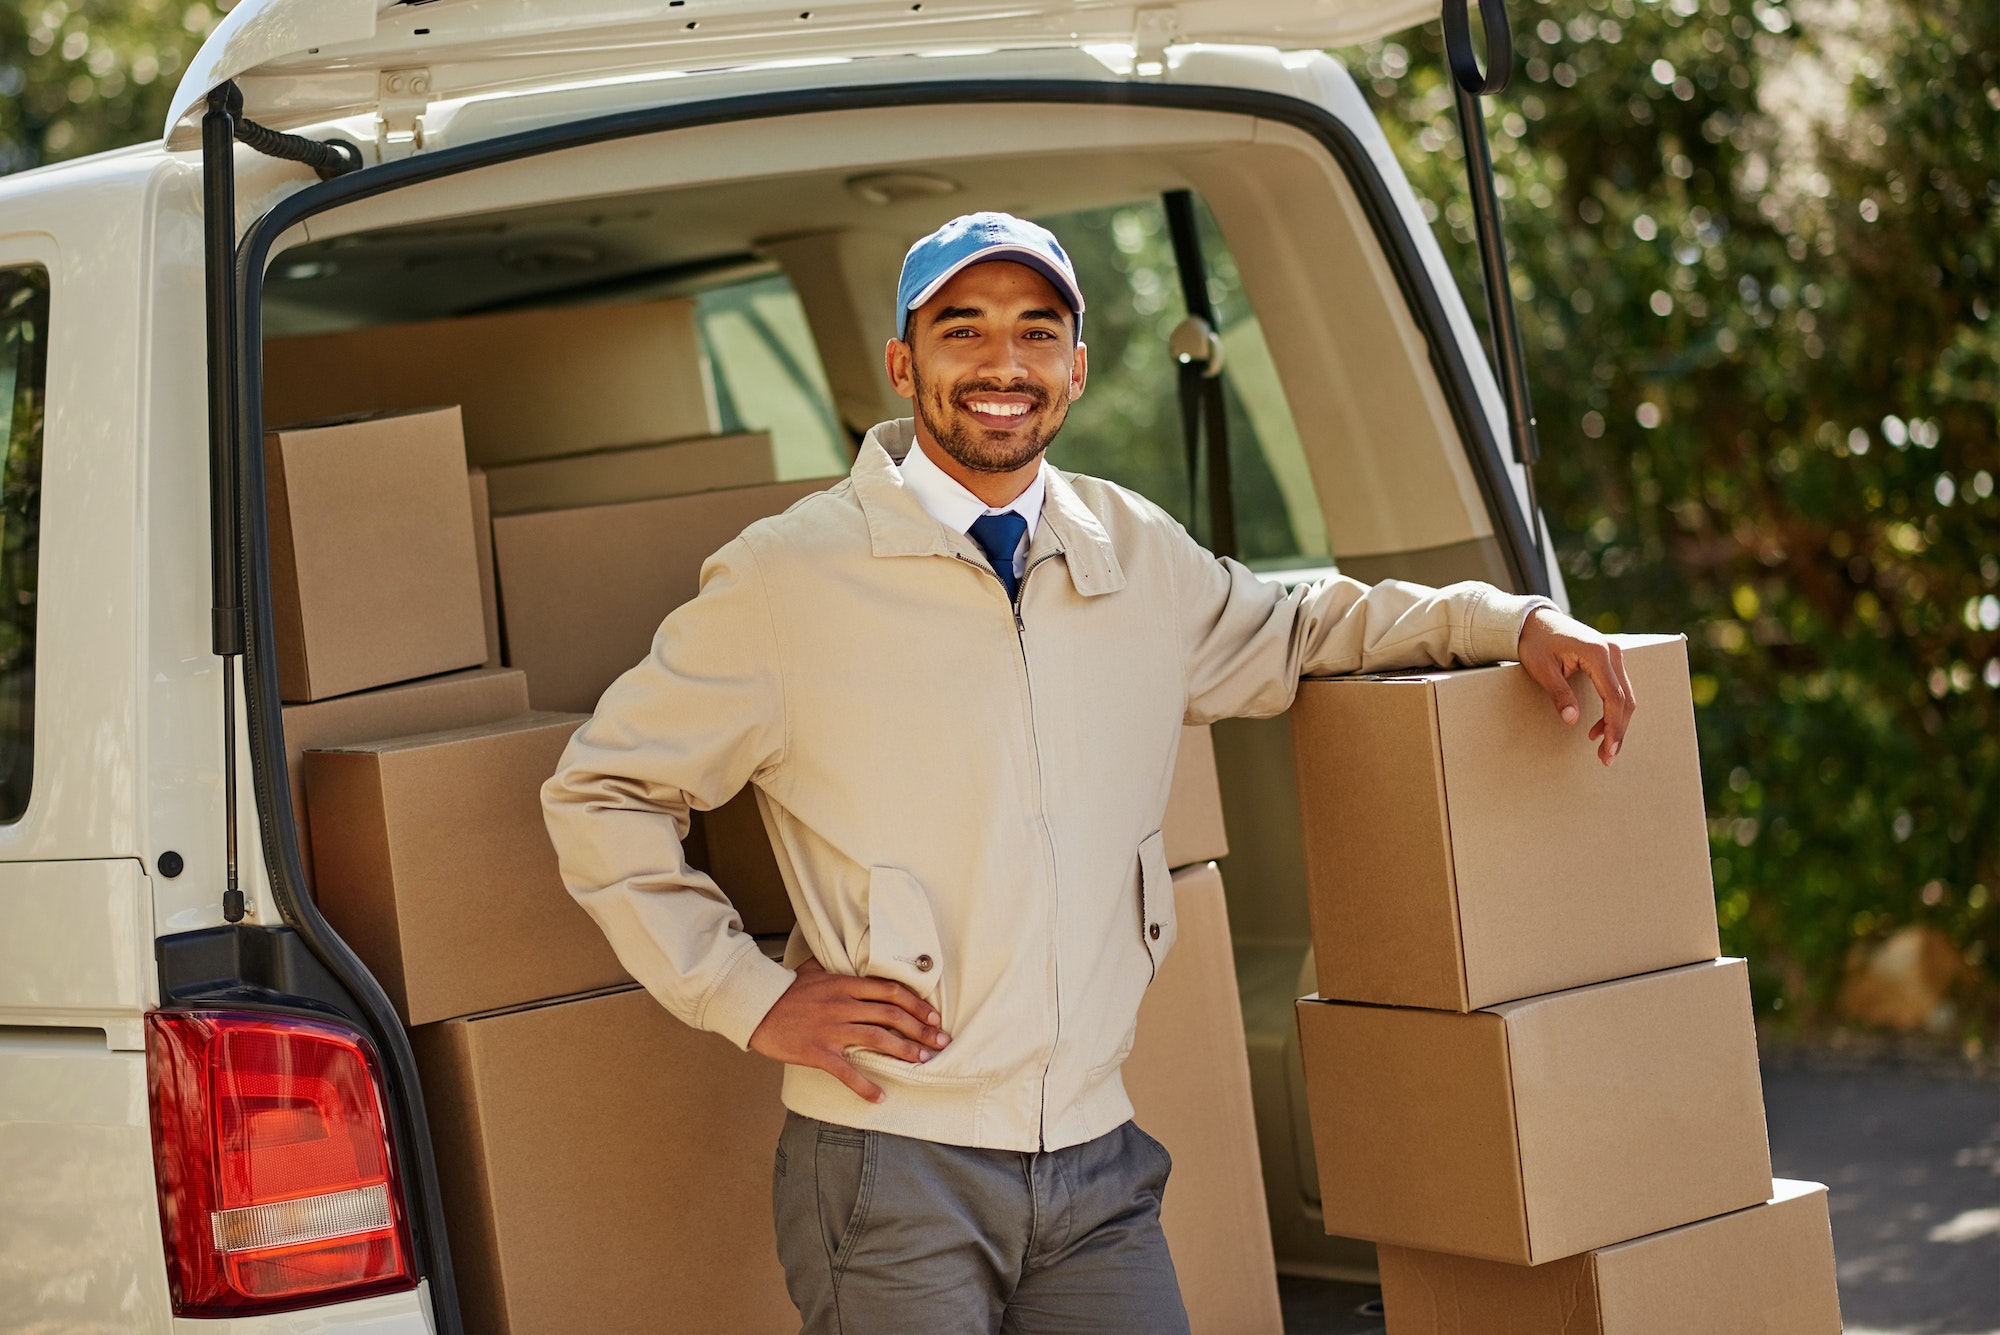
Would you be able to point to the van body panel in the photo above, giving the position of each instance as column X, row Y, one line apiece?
column 299, row 61
column 76, row 946
column 82, row 1241
column 83, row 800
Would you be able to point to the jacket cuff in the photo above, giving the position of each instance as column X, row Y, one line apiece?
column 1493, row 625
column 744, row 995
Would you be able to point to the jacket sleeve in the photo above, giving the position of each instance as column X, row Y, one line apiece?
column 1247, row 641
column 699, row 717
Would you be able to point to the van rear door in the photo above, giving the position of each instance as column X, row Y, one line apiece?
column 302, row 62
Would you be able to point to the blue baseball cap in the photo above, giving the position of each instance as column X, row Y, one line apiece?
column 975, row 239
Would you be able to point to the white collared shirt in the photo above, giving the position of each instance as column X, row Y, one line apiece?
column 948, row 502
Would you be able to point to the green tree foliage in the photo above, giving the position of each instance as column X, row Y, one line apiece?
column 78, row 76
column 1756, row 254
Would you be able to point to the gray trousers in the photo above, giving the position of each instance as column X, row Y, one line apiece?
column 883, row 1235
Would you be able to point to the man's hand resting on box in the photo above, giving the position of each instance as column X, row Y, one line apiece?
column 1555, row 648
column 823, row 1015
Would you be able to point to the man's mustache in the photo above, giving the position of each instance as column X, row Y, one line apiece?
column 963, row 393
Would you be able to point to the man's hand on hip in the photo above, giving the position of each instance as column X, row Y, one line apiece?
column 1554, row 648
column 822, row 1015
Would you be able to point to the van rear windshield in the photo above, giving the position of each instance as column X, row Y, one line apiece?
column 24, row 324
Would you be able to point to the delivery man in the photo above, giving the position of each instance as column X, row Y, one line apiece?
column 957, row 680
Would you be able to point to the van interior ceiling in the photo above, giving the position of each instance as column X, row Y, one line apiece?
column 781, row 286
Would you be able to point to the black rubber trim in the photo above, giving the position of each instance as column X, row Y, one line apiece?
column 274, row 808
column 249, row 965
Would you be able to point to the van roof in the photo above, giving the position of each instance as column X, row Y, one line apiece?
column 301, row 62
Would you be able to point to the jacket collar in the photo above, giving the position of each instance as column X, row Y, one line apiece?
column 898, row 525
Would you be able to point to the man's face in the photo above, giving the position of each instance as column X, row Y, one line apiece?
column 992, row 365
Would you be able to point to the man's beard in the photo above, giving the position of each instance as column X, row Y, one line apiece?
column 976, row 447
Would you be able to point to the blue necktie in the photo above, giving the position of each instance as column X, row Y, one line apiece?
column 999, row 536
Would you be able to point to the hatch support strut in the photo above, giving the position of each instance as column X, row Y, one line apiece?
column 1469, row 84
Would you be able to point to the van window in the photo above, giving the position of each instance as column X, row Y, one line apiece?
column 24, row 325
column 766, row 375
column 1127, row 426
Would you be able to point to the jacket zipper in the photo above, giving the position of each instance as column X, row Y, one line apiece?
column 1041, row 818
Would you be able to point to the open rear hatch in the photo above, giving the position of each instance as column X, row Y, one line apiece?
column 302, row 62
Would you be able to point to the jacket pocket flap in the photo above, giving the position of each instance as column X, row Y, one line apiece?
column 1156, row 898
column 902, row 942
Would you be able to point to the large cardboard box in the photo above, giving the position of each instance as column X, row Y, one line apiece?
column 374, row 572
column 1465, row 847
column 1538, row 1129
column 434, row 864
column 583, row 590
column 431, row 704
column 1767, row 1270
column 532, row 383
column 1192, row 830
column 605, row 1168
column 1189, row 1080
column 634, row 473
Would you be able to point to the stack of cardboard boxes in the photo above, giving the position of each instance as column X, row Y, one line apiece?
column 1531, row 1080
column 441, row 630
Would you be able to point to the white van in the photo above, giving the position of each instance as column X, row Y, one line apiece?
column 769, row 163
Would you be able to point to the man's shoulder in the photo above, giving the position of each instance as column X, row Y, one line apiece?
column 811, row 527
column 1126, row 515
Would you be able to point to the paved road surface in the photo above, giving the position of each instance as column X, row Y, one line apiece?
column 1912, row 1158
column 1912, row 1155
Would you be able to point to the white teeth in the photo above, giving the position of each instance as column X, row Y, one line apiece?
column 999, row 409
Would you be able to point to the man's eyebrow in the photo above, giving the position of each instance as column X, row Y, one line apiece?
column 1049, row 313
column 957, row 313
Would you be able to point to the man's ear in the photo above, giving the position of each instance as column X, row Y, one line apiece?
column 1079, row 372
column 902, row 374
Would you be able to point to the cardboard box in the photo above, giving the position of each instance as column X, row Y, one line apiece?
column 432, row 704
column 730, row 844
column 434, row 864
column 1189, row 1080
column 605, row 1168
column 374, row 575
column 1538, row 1129
column 532, row 384
column 482, row 546
column 1767, row 1270
column 1465, row 847
column 583, row 590
column 1192, row 830
column 635, row 473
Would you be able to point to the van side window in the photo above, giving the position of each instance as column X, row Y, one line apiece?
column 1127, row 426
column 765, row 370
column 24, row 326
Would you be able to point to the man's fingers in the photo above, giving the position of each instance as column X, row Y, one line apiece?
column 845, row 1071
column 885, row 1016
column 885, row 1041
column 1550, row 675
column 1609, row 677
column 881, row 989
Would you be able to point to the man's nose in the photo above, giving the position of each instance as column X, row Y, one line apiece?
column 1003, row 361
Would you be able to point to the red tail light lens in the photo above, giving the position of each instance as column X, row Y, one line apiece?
column 277, row 1187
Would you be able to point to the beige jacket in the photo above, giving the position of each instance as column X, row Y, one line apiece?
column 964, row 796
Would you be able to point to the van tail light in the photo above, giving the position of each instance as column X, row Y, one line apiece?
column 277, row 1186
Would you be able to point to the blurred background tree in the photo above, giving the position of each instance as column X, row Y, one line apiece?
column 1756, row 250
column 77, row 76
